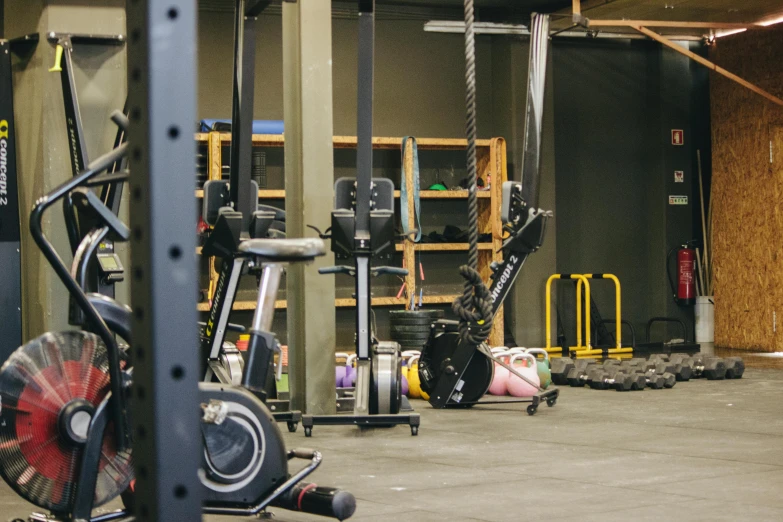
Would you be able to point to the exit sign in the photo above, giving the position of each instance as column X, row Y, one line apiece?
column 678, row 200
column 678, row 137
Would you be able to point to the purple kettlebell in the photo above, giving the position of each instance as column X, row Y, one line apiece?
column 340, row 370
column 349, row 381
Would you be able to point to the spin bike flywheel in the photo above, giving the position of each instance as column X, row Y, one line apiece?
column 436, row 356
column 49, row 389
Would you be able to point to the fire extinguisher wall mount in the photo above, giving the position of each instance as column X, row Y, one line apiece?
column 684, row 292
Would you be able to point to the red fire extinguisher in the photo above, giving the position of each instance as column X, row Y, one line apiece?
column 685, row 292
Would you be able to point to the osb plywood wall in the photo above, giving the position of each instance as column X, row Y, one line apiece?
column 747, row 192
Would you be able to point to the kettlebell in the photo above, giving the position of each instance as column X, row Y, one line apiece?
column 518, row 387
column 544, row 371
column 414, row 383
column 406, row 356
column 499, row 384
column 349, row 381
column 340, row 369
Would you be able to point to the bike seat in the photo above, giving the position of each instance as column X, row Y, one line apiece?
column 283, row 250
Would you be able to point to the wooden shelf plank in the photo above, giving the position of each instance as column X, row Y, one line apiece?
column 448, row 194
column 244, row 305
column 425, row 194
column 349, row 142
column 376, row 301
column 443, row 247
column 264, row 194
column 439, row 299
column 339, row 303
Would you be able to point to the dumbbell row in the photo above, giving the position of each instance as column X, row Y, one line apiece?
column 657, row 372
column 612, row 376
column 711, row 368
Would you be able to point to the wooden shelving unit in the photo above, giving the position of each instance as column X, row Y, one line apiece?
column 491, row 163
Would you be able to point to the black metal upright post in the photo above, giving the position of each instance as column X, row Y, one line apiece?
column 162, row 87
column 362, row 248
column 242, row 113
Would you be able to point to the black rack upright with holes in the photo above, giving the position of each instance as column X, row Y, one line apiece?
column 162, row 101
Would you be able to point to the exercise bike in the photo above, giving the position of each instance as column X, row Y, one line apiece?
column 65, row 443
column 224, row 362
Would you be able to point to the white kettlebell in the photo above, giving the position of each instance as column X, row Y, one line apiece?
column 528, row 368
column 499, row 385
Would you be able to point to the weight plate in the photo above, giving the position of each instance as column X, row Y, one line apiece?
column 420, row 318
column 400, row 338
column 412, row 321
column 410, row 329
column 432, row 312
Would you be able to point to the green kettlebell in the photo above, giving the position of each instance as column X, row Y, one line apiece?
column 544, row 372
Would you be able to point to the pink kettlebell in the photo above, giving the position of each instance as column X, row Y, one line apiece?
column 499, row 385
column 527, row 368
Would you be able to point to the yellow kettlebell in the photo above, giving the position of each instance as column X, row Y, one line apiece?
column 406, row 355
column 414, row 384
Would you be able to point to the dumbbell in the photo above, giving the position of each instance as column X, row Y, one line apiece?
column 681, row 371
column 656, row 380
column 735, row 367
column 577, row 376
column 713, row 368
column 560, row 367
column 603, row 378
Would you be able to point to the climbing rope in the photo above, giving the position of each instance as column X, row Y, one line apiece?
column 474, row 307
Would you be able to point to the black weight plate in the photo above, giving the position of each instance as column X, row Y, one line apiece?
column 398, row 314
column 409, row 339
column 411, row 335
column 413, row 321
column 410, row 329
column 406, row 318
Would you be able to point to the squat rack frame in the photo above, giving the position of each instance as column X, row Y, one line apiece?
column 162, row 100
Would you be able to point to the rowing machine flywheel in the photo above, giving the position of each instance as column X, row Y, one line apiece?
column 49, row 390
column 436, row 356
column 386, row 384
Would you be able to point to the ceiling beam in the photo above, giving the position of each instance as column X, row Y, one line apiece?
column 666, row 23
column 708, row 64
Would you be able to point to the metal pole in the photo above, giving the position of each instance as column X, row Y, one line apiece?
column 162, row 101
column 242, row 114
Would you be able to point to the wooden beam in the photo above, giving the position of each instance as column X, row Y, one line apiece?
column 708, row 64
column 667, row 23
column 576, row 7
column 584, row 5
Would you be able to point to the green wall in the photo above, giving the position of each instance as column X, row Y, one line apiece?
column 419, row 77
column 43, row 159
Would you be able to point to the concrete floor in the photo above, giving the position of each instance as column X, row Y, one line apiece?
column 700, row 451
